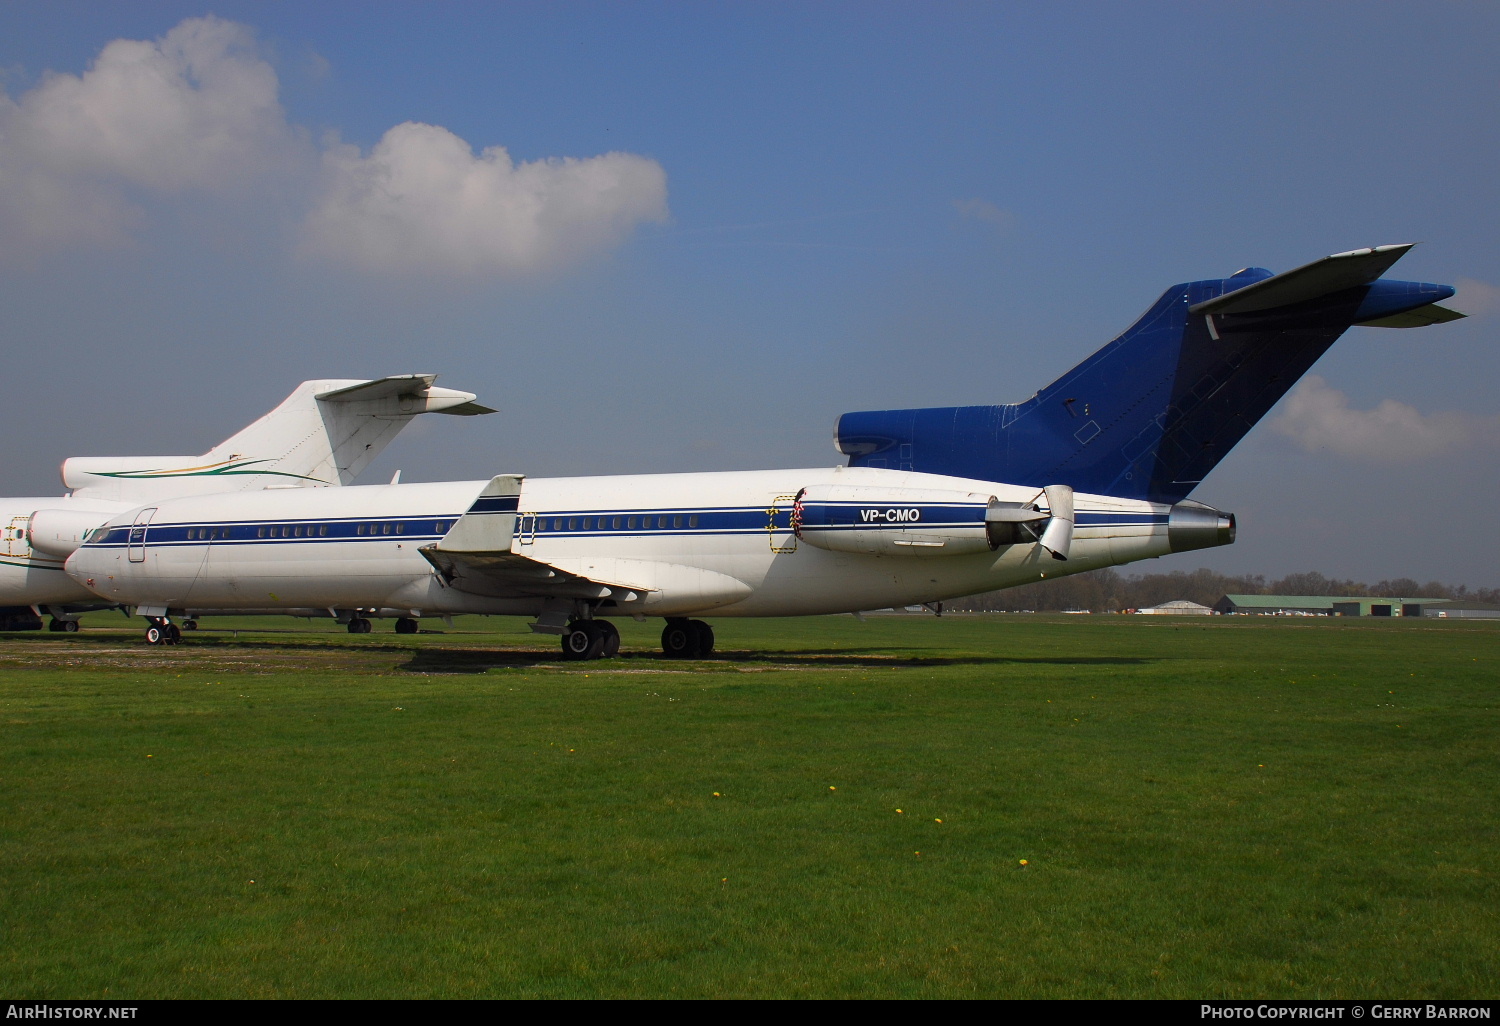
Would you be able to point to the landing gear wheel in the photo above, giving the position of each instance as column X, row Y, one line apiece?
column 407, row 625
column 174, row 635
column 680, row 639
column 156, row 635
column 56, row 624
column 582, row 640
column 611, row 634
column 190, row 625
column 69, row 627
column 359, row 625
column 705, row 638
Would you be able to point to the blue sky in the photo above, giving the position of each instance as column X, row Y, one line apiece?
column 813, row 208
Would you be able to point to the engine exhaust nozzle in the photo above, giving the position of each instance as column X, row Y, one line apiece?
column 1192, row 525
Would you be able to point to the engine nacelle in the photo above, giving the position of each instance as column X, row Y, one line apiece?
column 57, row 532
column 898, row 521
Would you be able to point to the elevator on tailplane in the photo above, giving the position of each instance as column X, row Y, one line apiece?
column 1095, row 470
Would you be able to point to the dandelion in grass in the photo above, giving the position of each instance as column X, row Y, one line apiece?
column 1025, row 863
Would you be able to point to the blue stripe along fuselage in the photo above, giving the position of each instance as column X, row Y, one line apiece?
column 601, row 523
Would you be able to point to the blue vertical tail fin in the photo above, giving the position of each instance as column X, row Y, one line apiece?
column 1151, row 413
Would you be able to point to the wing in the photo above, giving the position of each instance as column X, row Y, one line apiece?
column 475, row 556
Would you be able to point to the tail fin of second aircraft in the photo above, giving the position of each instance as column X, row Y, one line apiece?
column 1151, row 413
column 324, row 433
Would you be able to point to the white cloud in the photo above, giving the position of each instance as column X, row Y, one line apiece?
column 1318, row 419
column 422, row 200
column 196, row 109
column 1475, row 298
column 984, row 211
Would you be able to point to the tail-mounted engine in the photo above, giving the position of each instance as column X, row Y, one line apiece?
column 928, row 522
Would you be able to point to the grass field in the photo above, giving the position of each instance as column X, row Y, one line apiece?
column 1216, row 807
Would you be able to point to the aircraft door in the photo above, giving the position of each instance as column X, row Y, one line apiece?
column 137, row 543
column 780, row 528
column 526, row 528
column 15, row 541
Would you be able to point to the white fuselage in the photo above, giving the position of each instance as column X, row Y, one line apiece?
column 684, row 543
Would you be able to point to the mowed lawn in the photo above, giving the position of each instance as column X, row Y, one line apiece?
column 1033, row 806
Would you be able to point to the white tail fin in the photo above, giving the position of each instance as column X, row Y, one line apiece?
column 323, row 434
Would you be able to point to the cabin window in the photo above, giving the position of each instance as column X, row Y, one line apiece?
column 693, row 520
column 588, row 523
column 359, row 529
column 260, row 532
column 645, row 521
column 322, row 530
column 297, row 531
column 400, row 528
column 557, row 523
column 385, row 528
column 617, row 523
column 572, row 523
column 191, row 535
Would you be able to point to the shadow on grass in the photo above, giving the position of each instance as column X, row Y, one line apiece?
column 443, row 659
column 436, row 660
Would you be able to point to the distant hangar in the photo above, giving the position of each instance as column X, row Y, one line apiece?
column 1328, row 605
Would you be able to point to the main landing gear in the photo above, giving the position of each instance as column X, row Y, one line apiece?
column 590, row 639
column 404, row 625
column 162, row 632
column 599, row 639
column 687, row 639
column 68, row 626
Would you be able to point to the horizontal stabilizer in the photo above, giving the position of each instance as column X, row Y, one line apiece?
column 1310, row 281
column 405, row 395
column 1421, row 317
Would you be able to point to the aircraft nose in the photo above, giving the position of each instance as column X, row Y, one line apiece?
column 1191, row 525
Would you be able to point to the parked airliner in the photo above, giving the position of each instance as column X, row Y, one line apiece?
column 1093, row 471
column 323, row 434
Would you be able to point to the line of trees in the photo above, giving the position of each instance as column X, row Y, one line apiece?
column 1108, row 591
